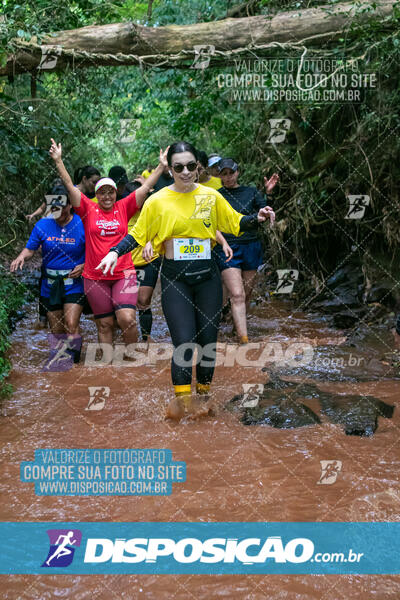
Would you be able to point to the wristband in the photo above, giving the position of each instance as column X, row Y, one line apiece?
column 126, row 245
column 249, row 222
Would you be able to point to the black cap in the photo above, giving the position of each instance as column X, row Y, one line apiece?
column 118, row 174
column 228, row 163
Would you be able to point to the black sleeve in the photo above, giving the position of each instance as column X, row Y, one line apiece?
column 249, row 222
column 126, row 245
column 259, row 200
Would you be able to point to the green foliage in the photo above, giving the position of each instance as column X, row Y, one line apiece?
column 12, row 297
column 331, row 149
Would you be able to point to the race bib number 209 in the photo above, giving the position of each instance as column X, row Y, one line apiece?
column 191, row 249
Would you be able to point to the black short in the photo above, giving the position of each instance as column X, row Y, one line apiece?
column 69, row 299
column 147, row 274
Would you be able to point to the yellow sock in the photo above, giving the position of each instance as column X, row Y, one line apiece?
column 202, row 388
column 182, row 390
column 244, row 339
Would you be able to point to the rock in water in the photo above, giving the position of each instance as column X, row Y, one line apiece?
column 285, row 414
column 358, row 414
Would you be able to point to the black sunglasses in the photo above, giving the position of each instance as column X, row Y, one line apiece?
column 178, row 168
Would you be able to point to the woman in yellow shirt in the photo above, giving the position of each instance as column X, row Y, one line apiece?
column 204, row 177
column 181, row 221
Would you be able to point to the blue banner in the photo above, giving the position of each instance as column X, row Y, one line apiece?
column 200, row 548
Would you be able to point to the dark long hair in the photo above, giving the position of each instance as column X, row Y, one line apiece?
column 202, row 158
column 177, row 147
column 86, row 171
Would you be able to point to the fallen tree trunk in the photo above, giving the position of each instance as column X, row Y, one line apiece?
column 173, row 45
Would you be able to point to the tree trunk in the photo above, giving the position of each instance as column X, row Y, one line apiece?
column 173, row 45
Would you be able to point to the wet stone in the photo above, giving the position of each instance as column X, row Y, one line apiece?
column 358, row 414
column 281, row 405
column 286, row 414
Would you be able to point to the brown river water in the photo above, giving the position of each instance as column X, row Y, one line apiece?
column 234, row 472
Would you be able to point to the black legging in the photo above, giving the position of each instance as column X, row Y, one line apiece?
column 192, row 313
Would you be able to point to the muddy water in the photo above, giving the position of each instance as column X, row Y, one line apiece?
column 234, row 472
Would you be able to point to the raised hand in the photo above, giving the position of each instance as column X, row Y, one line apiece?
column 271, row 183
column 55, row 150
column 163, row 157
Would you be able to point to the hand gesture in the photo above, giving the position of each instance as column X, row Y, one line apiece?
column 108, row 263
column 266, row 213
column 271, row 183
column 163, row 157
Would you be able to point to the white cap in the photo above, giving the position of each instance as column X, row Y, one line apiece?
column 213, row 160
column 105, row 181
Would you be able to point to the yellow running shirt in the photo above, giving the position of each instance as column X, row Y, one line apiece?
column 136, row 254
column 214, row 182
column 198, row 214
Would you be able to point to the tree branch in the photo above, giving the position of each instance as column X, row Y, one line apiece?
column 173, row 45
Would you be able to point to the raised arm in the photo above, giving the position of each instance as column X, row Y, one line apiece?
column 231, row 221
column 149, row 183
column 270, row 183
column 251, row 222
column 73, row 192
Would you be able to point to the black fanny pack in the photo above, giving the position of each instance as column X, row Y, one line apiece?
column 190, row 272
column 193, row 277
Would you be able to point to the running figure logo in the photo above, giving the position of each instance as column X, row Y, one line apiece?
column 286, row 280
column 64, row 351
column 357, row 206
column 130, row 282
column 202, row 56
column 49, row 58
column 128, row 129
column 330, row 469
column 54, row 205
column 62, row 547
column 251, row 394
column 98, row 396
column 279, row 129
